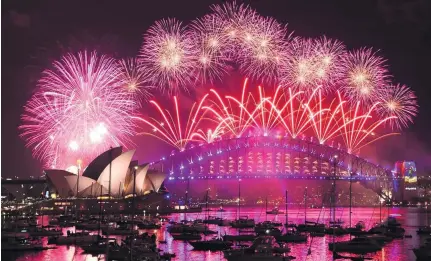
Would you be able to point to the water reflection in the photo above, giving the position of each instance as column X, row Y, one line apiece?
column 397, row 250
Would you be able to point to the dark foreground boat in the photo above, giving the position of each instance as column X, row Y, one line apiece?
column 263, row 248
column 292, row 236
column 213, row 244
column 359, row 245
column 187, row 236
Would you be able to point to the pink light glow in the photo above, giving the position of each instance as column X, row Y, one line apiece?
column 80, row 109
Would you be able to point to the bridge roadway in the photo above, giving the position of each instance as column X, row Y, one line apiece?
column 260, row 176
column 276, row 176
column 421, row 180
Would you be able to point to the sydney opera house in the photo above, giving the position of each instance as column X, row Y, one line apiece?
column 111, row 173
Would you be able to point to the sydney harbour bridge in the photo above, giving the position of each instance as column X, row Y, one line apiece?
column 270, row 157
column 265, row 157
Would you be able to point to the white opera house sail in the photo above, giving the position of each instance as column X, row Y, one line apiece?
column 111, row 172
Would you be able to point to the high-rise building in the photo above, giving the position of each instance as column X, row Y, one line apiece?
column 405, row 180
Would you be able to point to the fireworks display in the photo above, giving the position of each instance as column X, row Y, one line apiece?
column 399, row 101
column 322, row 90
column 168, row 55
column 169, row 128
column 79, row 110
column 135, row 78
column 365, row 76
column 284, row 113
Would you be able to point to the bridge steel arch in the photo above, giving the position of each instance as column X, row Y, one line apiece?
column 272, row 157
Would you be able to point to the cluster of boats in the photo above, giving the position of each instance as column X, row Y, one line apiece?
column 255, row 241
column 23, row 234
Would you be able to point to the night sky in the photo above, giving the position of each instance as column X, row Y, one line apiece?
column 35, row 33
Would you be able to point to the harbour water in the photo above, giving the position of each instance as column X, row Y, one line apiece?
column 397, row 250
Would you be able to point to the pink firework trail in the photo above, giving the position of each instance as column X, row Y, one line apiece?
column 79, row 110
column 234, row 113
column 170, row 129
column 290, row 112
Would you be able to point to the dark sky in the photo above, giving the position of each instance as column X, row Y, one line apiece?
column 34, row 33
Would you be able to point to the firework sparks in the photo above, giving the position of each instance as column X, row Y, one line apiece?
column 233, row 112
column 234, row 17
column 87, row 102
column 210, row 42
column 264, row 45
column 296, row 113
column 298, row 67
column 360, row 129
column 210, row 135
column 365, row 76
column 327, row 62
column 135, row 78
column 398, row 101
column 311, row 63
column 79, row 110
column 168, row 55
column 170, row 129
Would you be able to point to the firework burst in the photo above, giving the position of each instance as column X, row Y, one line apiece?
column 297, row 69
column 327, row 67
column 311, row 63
column 398, row 101
column 234, row 17
column 365, row 76
column 264, row 44
column 135, row 78
column 210, row 42
column 168, row 55
column 78, row 111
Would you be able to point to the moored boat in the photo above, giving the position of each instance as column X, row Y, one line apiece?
column 292, row 236
column 243, row 222
column 213, row 244
column 80, row 238
column 42, row 232
column 263, row 248
column 21, row 244
column 311, row 227
column 274, row 211
column 359, row 245
column 425, row 230
column 216, row 221
column 187, row 236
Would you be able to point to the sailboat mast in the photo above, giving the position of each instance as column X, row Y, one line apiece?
column 207, row 205
column 350, row 205
column 266, row 208
column 100, row 210
column 286, row 210
column 305, row 206
column 133, row 212
column 239, row 198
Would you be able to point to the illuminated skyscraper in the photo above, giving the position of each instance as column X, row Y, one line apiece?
column 405, row 184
